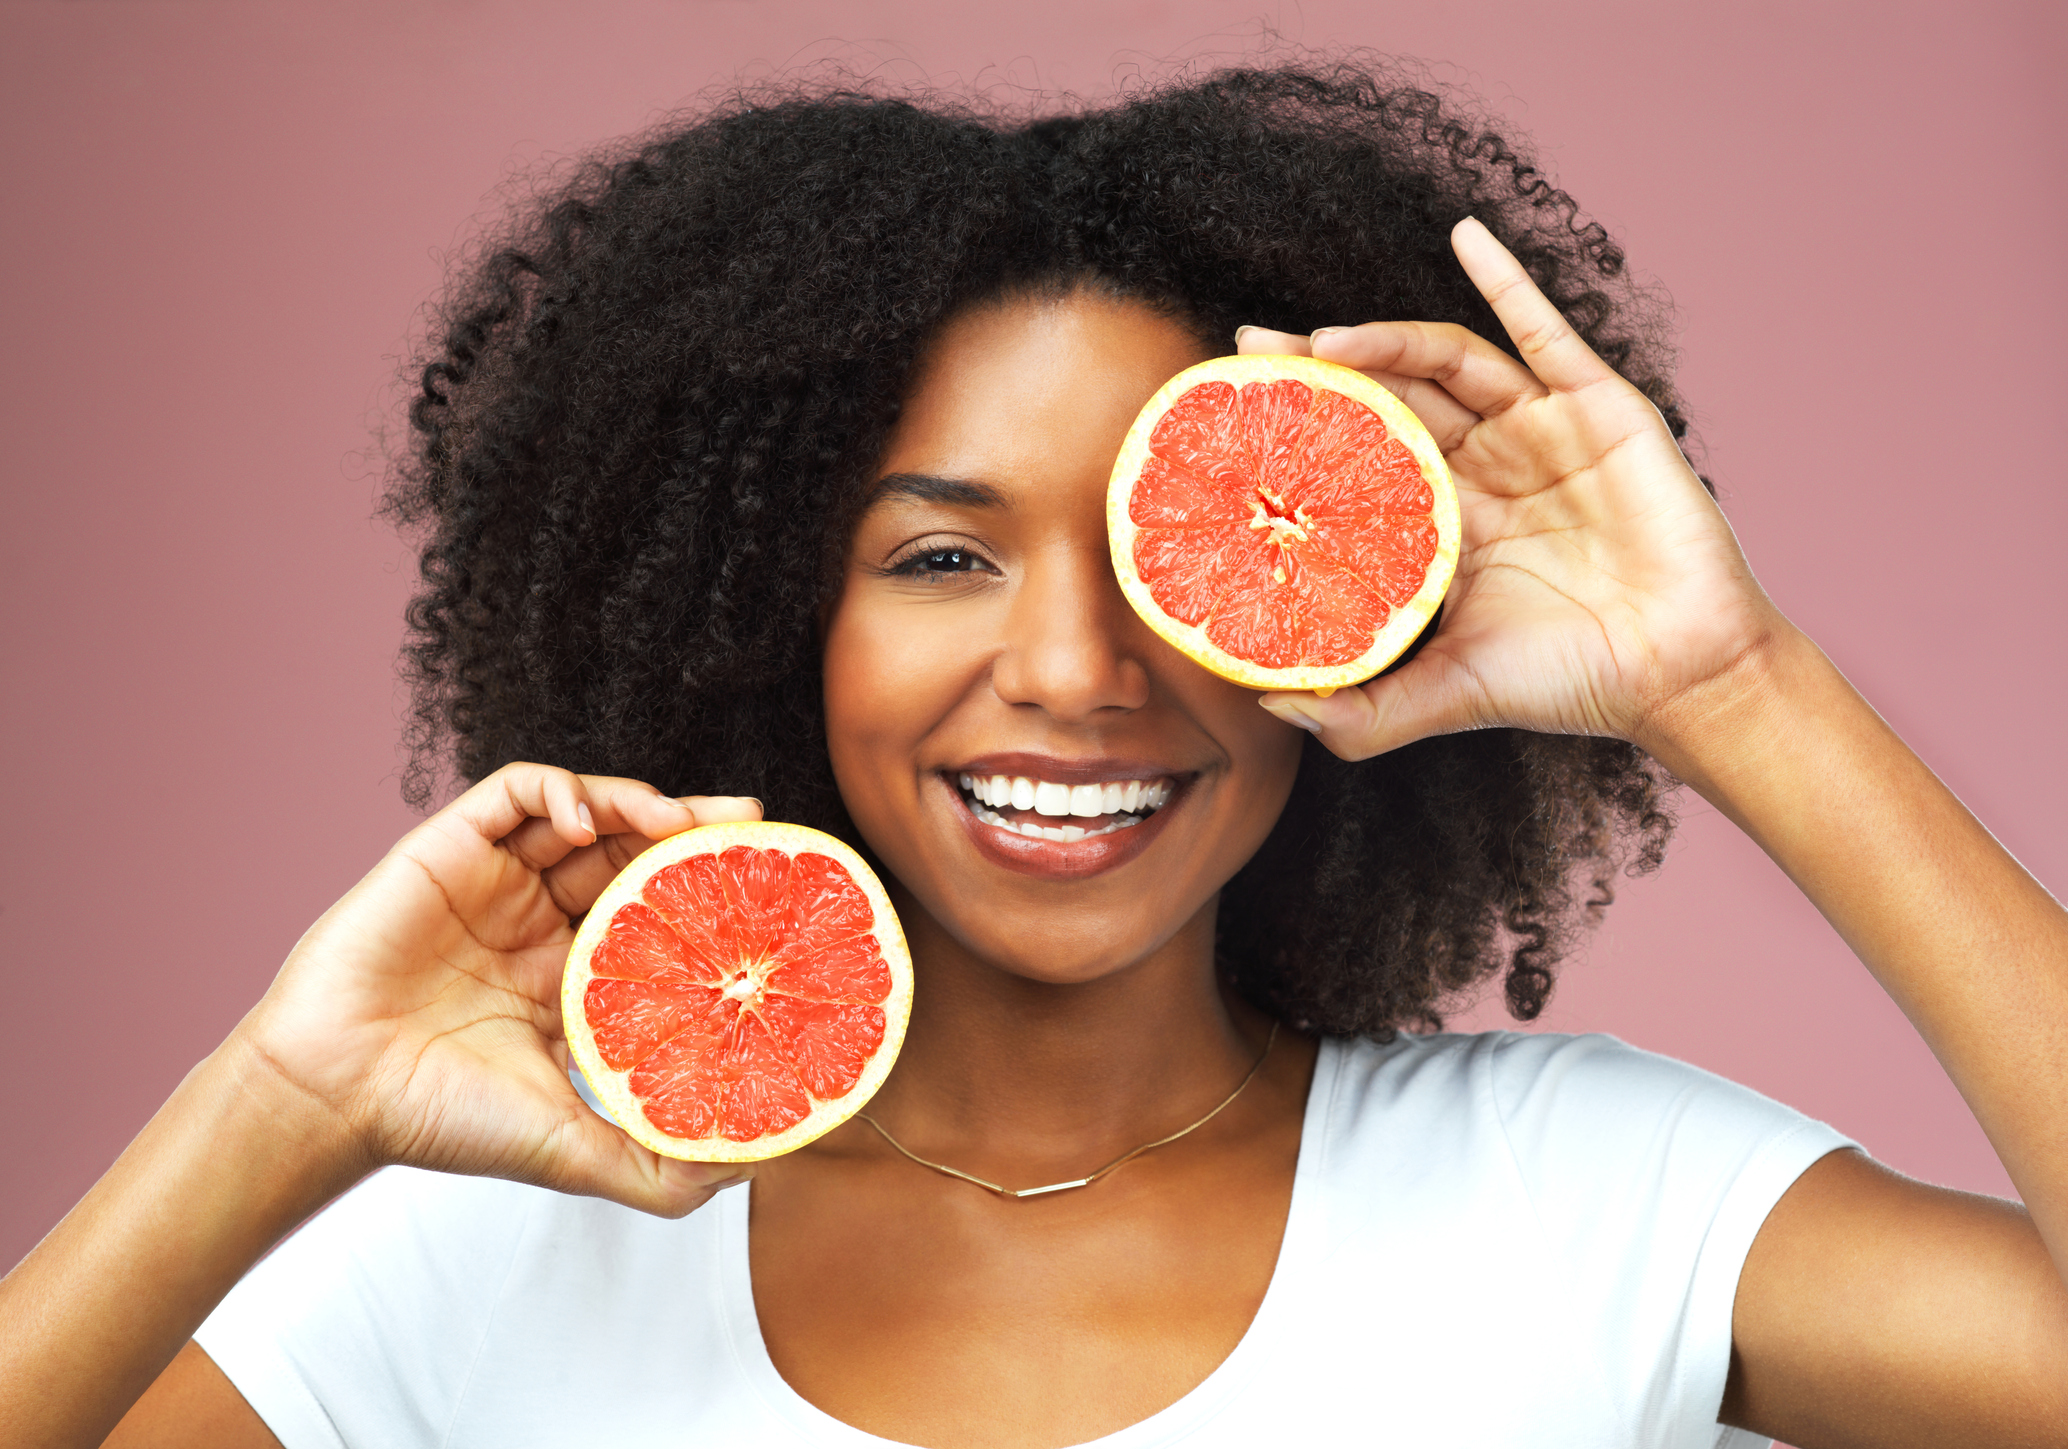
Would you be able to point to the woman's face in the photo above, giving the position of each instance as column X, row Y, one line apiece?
column 980, row 635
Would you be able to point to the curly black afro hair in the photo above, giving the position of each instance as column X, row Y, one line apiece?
column 652, row 405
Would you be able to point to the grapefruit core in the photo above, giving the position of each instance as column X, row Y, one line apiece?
column 1284, row 521
column 737, row 991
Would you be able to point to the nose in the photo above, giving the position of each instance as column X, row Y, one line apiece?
column 1072, row 646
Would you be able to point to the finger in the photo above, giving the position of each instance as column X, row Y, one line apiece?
column 1428, row 696
column 594, row 1157
column 516, row 793
column 1443, row 415
column 1555, row 353
column 541, row 845
column 580, row 807
column 1447, row 419
column 1263, row 341
column 1478, row 379
column 575, row 877
column 722, row 809
column 576, row 881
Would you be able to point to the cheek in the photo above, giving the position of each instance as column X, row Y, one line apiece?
column 888, row 677
column 1266, row 750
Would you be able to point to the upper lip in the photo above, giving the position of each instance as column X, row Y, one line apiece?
column 1066, row 772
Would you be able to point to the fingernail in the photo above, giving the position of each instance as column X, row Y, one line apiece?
column 757, row 804
column 1292, row 714
column 581, row 813
column 1245, row 327
column 1320, row 332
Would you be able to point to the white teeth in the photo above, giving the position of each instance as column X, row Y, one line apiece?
column 1062, row 834
column 1128, row 801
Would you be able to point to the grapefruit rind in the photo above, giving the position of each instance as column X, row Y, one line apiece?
column 1406, row 620
column 609, row 1084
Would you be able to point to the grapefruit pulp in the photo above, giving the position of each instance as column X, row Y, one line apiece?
column 737, row 991
column 1284, row 521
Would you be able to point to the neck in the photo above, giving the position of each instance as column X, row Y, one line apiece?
column 1033, row 1074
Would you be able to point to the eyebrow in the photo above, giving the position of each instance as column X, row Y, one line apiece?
column 928, row 488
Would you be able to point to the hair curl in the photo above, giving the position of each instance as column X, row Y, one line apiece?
column 652, row 405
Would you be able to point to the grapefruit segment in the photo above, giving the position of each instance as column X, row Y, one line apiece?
column 634, row 1018
column 1169, row 497
column 828, row 1042
column 737, row 991
column 639, row 945
column 1201, row 437
column 1286, row 522
column 848, row 970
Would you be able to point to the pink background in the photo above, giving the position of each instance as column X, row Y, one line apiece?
column 221, row 220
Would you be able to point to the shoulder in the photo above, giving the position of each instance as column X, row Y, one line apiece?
column 417, row 1238
column 1572, row 1122
column 1604, row 1196
column 378, row 1314
column 1532, row 1080
column 1576, row 1131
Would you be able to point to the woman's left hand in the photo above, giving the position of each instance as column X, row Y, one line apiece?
column 1597, row 582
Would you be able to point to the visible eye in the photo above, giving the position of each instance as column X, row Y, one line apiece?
column 934, row 563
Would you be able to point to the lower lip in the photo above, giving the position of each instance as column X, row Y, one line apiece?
column 1058, row 859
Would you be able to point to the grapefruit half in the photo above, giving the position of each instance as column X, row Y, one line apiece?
column 738, row 991
column 1285, row 522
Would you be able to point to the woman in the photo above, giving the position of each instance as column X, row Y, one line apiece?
column 770, row 460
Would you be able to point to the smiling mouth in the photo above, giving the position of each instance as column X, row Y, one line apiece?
column 1046, row 810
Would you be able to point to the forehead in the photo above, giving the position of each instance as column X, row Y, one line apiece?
column 1022, row 390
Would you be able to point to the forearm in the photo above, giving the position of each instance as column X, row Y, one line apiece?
column 1967, row 943
column 233, row 1161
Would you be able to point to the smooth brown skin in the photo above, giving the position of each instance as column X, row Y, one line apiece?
column 1600, row 590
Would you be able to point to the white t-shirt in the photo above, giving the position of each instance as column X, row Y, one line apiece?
column 1497, row 1240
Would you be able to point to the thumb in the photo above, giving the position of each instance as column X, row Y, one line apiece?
column 1429, row 695
column 595, row 1158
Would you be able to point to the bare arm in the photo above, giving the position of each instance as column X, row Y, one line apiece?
column 1601, row 592
column 417, row 1022
column 228, row 1165
column 1873, row 1309
column 193, row 1402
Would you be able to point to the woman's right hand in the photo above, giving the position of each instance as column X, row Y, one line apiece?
column 421, row 1013
column 417, row 1022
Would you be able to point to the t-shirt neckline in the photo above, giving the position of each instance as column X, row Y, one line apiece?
column 1302, row 1238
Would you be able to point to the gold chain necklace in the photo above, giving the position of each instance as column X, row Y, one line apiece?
column 1119, row 1161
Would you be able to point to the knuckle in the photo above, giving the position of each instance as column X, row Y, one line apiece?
column 1546, row 333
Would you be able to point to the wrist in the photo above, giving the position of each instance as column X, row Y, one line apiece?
column 1711, row 732
column 304, row 1149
